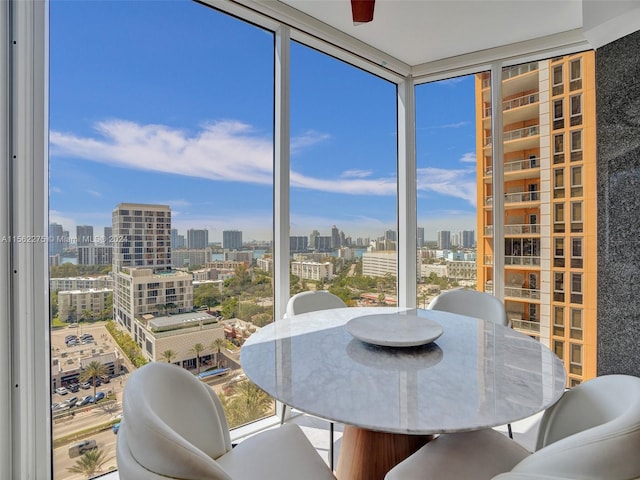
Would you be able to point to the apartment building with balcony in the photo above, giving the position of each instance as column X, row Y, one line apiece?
column 547, row 183
column 73, row 303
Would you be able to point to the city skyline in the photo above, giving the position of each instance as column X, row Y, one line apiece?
column 157, row 130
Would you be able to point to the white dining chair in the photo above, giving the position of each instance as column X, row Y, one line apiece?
column 591, row 433
column 174, row 427
column 473, row 303
column 305, row 302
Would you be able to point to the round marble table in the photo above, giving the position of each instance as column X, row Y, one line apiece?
column 475, row 375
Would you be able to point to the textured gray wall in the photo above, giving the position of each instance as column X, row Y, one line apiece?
column 618, row 169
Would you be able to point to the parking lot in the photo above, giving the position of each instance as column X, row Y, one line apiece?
column 82, row 417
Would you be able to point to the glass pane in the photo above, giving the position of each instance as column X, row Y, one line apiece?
column 449, row 129
column 343, row 180
column 160, row 142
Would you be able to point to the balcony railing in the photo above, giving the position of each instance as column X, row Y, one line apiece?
column 488, row 260
column 521, row 133
column 522, row 260
column 519, row 70
column 521, row 229
column 516, row 134
column 520, row 101
column 516, row 165
column 515, row 103
column 519, row 197
column 526, row 325
column 488, row 287
column 522, row 293
column 488, row 230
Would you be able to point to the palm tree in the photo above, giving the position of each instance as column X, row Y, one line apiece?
column 90, row 463
column 169, row 355
column 217, row 345
column 92, row 371
column 250, row 402
column 198, row 348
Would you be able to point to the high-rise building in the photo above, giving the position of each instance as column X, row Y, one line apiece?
column 391, row 235
column 56, row 239
column 231, row 239
column 108, row 236
column 444, row 239
column 143, row 234
column 84, row 235
column 548, row 187
column 420, row 241
column 467, row 238
column 144, row 282
column 197, row 238
column 298, row 243
column 174, row 238
column 335, row 237
column 312, row 239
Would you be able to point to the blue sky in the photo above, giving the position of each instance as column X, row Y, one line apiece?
column 171, row 102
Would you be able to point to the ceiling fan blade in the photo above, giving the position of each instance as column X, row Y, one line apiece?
column 362, row 10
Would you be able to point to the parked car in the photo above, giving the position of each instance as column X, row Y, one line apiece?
column 85, row 385
column 73, row 342
column 105, row 378
column 99, row 396
column 73, row 387
column 70, row 337
column 79, row 448
column 72, row 401
column 84, row 400
column 115, row 428
column 91, row 399
column 61, row 391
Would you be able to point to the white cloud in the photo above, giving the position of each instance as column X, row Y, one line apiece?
column 94, row 193
column 307, row 139
column 469, row 157
column 454, row 125
column 356, row 174
column 459, row 183
column 54, row 189
column 232, row 151
column 451, row 81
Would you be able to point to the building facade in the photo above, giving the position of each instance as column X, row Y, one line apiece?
column 84, row 235
column 95, row 255
column 197, row 238
column 379, row 264
column 549, row 194
column 73, row 303
column 312, row 270
column 231, row 239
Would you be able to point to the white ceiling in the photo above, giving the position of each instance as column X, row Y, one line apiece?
column 418, row 32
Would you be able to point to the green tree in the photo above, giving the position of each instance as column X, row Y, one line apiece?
column 248, row 403
column 198, row 348
column 168, row 355
column 92, row 371
column 217, row 345
column 230, row 307
column 90, row 463
column 53, row 302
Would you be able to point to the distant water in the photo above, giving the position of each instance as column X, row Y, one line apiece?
column 73, row 260
column 220, row 256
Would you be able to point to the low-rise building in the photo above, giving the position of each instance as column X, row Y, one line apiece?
column 80, row 283
column 312, row 270
column 379, row 264
column 178, row 333
column 73, row 303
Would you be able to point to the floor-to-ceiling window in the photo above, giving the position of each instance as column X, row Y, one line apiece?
column 343, row 180
column 454, row 180
column 161, row 208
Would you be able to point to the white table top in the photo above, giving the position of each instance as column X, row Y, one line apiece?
column 476, row 375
